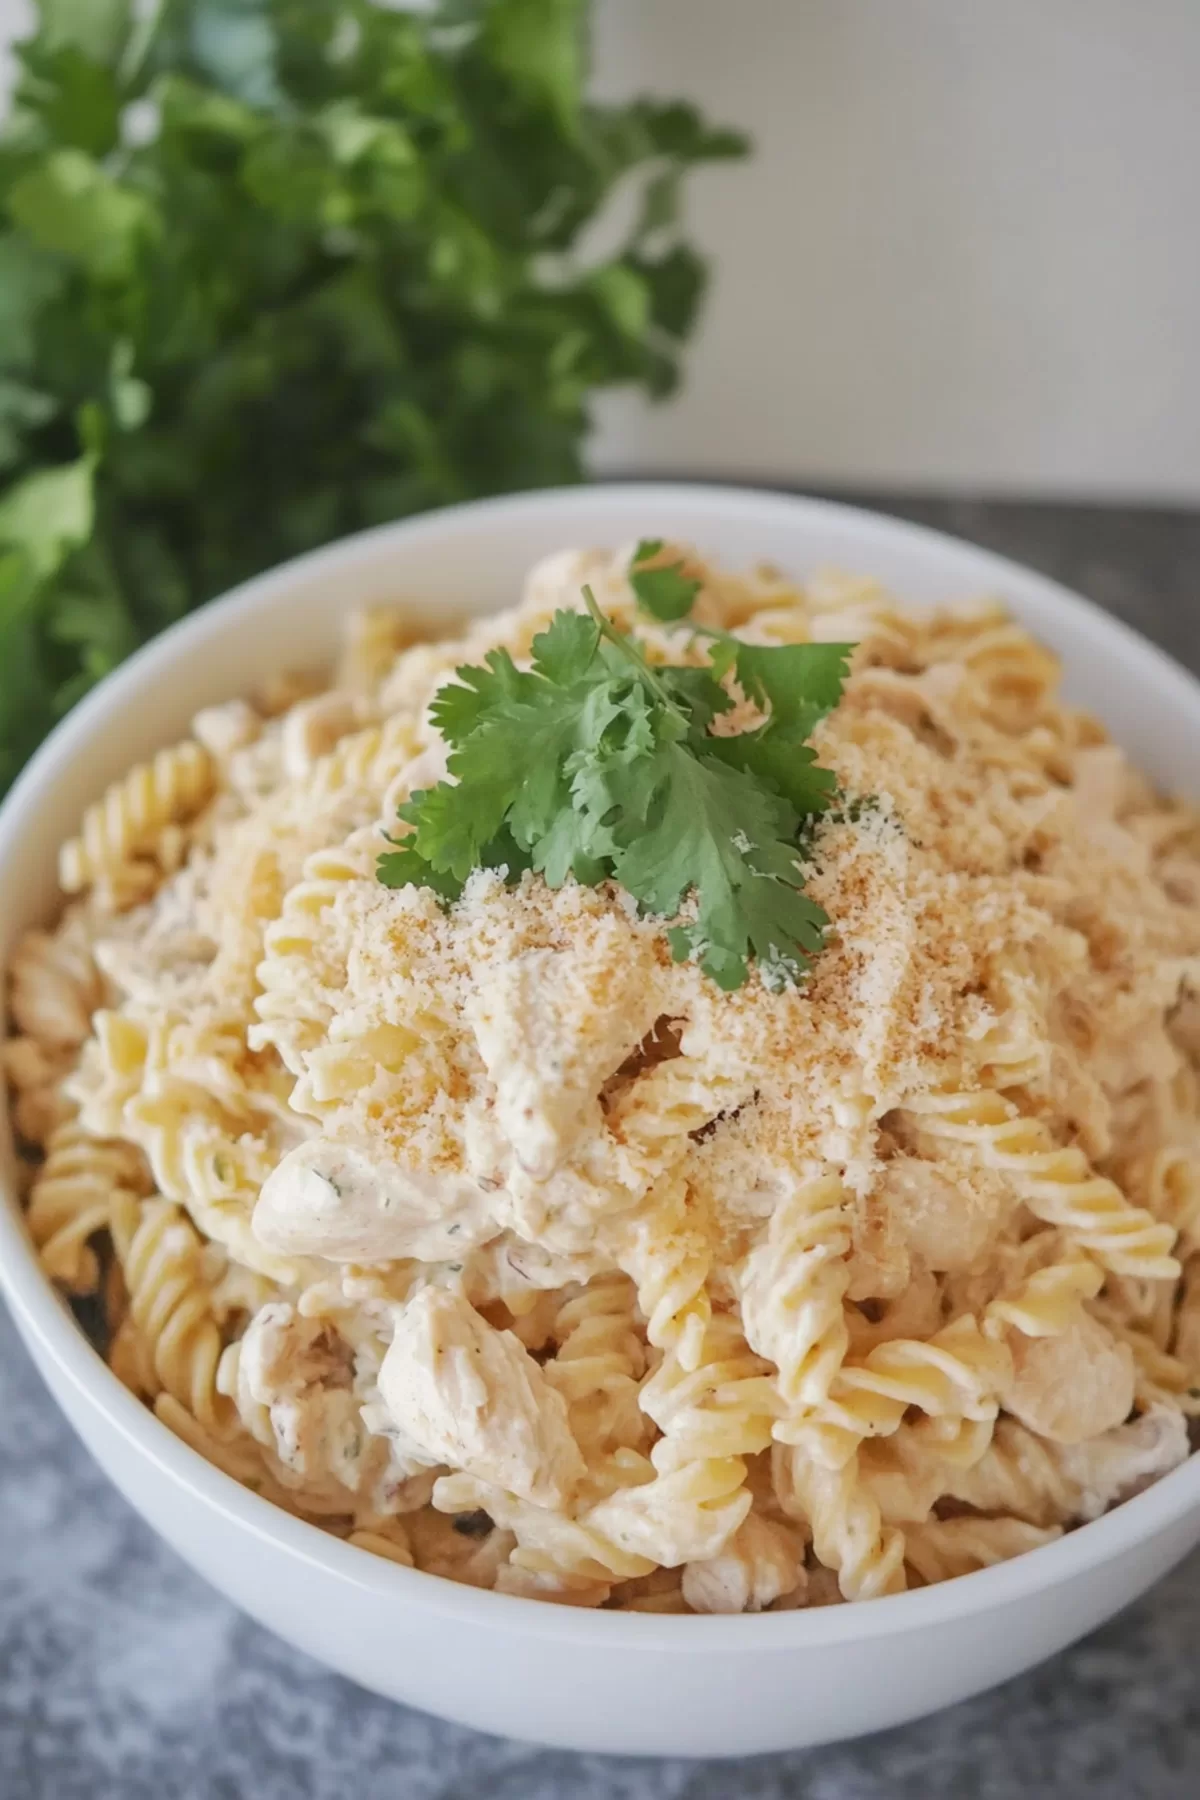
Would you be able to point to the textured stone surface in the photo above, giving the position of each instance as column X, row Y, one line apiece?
column 123, row 1677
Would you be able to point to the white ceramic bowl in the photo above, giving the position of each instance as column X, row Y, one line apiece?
column 585, row 1680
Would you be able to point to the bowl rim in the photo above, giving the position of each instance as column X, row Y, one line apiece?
column 45, row 1320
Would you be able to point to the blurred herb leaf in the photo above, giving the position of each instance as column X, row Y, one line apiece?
column 273, row 270
column 48, row 514
column 661, row 584
column 68, row 203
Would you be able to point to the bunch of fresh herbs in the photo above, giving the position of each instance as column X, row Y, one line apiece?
column 272, row 270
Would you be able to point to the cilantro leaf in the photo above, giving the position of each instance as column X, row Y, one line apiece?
column 695, row 823
column 517, row 733
column 564, row 652
column 663, row 590
column 797, row 683
column 404, row 866
column 698, row 691
column 459, row 706
column 778, row 757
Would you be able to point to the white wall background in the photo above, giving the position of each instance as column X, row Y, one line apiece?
column 966, row 255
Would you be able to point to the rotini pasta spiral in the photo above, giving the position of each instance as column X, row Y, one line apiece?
column 712, row 1417
column 73, row 1198
column 374, row 637
column 199, row 1061
column 293, row 1013
column 598, row 1364
column 216, row 1174
column 955, row 1375
column 943, row 1548
column 661, row 1592
column 856, row 610
column 1047, row 1301
column 55, row 985
column 238, row 1456
column 364, row 763
column 848, row 1532
column 1015, row 1050
column 391, row 1542
column 1055, row 1181
column 1167, row 1179
column 566, row 1558
column 167, row 790
column 792, row 1286
column 676, row 1097
column 669, row 1259
column 170, row 1307
column 184, row 1092
column 907, row 1474
column 681, row 1506
column 1043, row 1302
column 312, row 729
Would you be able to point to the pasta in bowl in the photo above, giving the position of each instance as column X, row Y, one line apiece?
column 501, row 1222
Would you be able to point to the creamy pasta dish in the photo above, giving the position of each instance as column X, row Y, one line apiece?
column 514, row 1226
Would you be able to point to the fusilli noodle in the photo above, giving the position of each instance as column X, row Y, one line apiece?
column 598, row 1363
column 1054, row 1181
column 712, row 1418
column 135, row 811
column 954, row 1375
column 848, row 1531
column 791, row 1289
column 170, row 1306
column 73, row 1199
column 947, row 1547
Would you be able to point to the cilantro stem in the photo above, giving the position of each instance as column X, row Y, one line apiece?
column 631, row 652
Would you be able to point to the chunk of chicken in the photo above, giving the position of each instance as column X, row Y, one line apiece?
column 552, row 1024
column 944, row 1222
column 293, row 1381
column 311, row 729
column 1120, row 1464
column 227, row 727
column 473, row 1397
column 761, row 1562
column 327, row 1198
column 1073, row 1386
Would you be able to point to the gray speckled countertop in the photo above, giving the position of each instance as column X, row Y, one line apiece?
column 123, row 1677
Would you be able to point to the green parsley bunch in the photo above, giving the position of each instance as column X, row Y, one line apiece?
column 273, row 270
column 597, row 764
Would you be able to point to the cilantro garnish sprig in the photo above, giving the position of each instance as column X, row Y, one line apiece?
column 596, row 763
